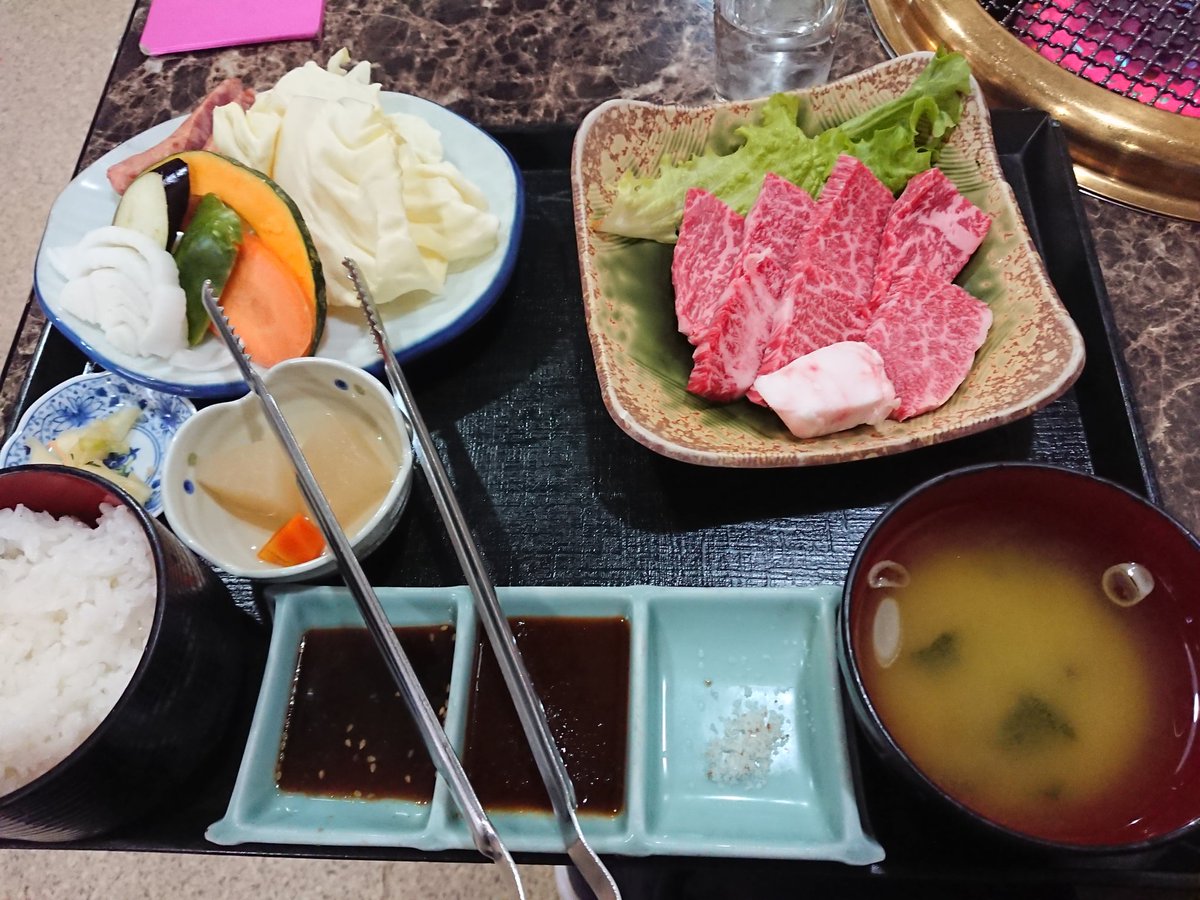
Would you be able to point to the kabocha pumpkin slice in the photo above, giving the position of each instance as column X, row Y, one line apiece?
column 267, row 306
column 266, row 209
column 207, row 250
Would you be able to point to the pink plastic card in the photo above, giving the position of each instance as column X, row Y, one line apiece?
column 176, row 26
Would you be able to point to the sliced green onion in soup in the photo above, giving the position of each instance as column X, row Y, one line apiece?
column 1127, row 584
column 886, row 632
column 888, row 574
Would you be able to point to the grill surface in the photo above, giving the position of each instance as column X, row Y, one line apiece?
column 1122, row 77
column 1149, row 52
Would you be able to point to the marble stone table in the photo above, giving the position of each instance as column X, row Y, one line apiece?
column 542, row 65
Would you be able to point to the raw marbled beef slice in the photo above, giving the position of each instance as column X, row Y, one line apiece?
column 776, row 227
column 933, row 226
column 927, row 332
column 706, row 256
column 834, row 270
column 726, row 358
column 728, row 352
column 848, row 227
column 818, row 310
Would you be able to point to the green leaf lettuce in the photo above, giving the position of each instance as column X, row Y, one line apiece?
column 896, row 140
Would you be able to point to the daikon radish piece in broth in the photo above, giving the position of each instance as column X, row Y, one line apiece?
column 351, row 468
column 255, row 482
column 252, row 481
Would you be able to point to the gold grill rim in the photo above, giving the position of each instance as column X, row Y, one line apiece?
column 1122, row 149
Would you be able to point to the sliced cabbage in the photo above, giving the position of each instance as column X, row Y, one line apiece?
column 351, row 192
column 370, row 185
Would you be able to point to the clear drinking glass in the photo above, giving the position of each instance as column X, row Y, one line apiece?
column 763, row 46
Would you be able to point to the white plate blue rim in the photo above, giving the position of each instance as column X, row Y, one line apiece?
column 696, row 654
column 89, row 202
column 87, row 398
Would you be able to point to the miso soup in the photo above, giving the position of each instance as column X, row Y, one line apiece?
column 998, row 663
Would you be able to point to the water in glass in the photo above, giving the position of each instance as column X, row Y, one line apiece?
column 763, row 46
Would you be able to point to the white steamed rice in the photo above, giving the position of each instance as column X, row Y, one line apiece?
column 76, row 606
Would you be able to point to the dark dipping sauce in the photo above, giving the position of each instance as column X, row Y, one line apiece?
column 580, row 668
column 348, row 731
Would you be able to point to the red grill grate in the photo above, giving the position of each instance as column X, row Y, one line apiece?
column 1149, row 52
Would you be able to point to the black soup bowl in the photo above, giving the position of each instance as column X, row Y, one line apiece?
column 1020, row 642
column 177, row 703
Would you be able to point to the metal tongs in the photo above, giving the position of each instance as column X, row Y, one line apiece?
column 487, row 606
column 483, row 833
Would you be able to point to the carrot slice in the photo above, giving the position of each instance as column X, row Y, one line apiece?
column 298, row 541
column 267, row 306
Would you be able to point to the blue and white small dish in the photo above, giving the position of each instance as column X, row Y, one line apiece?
column 89, row 398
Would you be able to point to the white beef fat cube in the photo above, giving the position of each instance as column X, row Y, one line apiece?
column 830, row 389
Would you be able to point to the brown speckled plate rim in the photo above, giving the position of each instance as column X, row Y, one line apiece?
column 803, row 455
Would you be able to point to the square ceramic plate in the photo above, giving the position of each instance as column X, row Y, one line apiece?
column 1033, row 352
column 698, row 657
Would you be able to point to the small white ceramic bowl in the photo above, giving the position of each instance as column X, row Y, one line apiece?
column 229, row 542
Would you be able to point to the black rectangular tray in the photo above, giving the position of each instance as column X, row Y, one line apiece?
column 558, row 495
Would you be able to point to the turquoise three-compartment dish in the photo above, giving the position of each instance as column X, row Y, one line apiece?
column 698, row 658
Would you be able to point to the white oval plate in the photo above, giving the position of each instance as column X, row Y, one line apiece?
column 87, row 398
column 414, row 327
